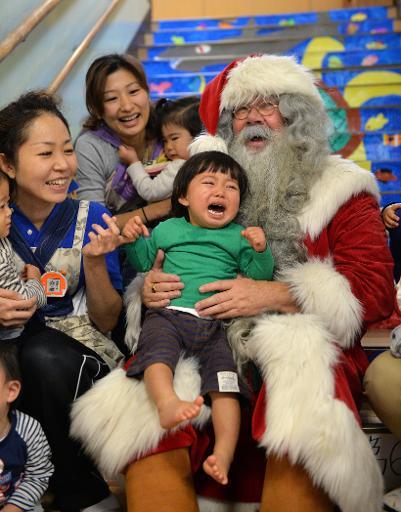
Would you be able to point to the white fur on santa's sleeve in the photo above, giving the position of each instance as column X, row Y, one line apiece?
column 319, row 289
column 206, row 142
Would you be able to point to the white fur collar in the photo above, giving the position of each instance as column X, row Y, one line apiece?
column 341, row 180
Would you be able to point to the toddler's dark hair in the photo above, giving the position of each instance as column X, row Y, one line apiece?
column 9, row 363
column 207, row 161
column 183, row 112
column 9, row 360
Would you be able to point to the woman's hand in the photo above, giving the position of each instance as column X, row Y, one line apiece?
column 103, row 241
column 14, row 310
column 390, row 219
column 245, row 297
column 159, row 288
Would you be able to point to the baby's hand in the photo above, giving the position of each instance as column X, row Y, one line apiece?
column 31, row 272
column 127, row 155
column 390, row 219
column 134, row 228
column 256, row 238
column 102, row 240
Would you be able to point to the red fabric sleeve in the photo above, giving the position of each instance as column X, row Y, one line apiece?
column 358, row 245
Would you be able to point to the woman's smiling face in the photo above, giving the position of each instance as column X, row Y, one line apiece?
column 126, row 105
column 45, row 164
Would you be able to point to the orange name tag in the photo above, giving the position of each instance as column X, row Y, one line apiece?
column 54, row 283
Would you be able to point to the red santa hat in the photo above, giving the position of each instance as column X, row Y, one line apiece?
column 244, row 80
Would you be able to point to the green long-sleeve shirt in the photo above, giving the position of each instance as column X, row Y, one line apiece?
column 199, row 256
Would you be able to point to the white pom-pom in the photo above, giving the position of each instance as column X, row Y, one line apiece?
column 206, row 142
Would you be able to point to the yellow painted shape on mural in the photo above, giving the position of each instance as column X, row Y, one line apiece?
column 359, row 17
column 365, row 93
column 359, row 153
column 365, row 164
column 202, row 84
column 316, row 51
column 376, row 122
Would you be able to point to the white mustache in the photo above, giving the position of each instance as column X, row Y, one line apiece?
column 255, row 130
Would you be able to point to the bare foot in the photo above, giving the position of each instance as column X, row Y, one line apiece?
column 174, row 411
column 217, row 466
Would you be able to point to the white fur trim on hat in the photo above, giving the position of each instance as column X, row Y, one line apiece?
column 206, row 142
column 267, row 75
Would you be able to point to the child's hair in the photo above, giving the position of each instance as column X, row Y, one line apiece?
column 183, row 112
column 207, row 161
column 9, row 364
column 17, row 117
column 9, row 361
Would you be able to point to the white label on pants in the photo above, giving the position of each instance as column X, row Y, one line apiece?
column 228, row 382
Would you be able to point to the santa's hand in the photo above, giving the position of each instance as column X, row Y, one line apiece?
column 390, row 219
column 159, row 288
column 256, row 238
column 245, row 297
column 236, row 297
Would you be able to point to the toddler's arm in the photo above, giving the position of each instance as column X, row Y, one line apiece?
column 157, row 188
column 38, row 468
column 33, row 285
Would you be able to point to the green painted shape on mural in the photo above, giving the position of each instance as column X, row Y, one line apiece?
column 178, row 40
column 340, row 136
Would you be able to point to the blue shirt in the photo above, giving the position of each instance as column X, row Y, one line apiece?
column 32, row 234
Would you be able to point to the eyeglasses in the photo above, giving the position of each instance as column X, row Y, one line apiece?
column 265, row 109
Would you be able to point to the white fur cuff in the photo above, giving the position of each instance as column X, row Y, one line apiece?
column 320, row 290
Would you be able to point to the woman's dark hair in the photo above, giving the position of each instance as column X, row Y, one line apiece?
column 207, row 161
column 11, row 183
column 95, row 80
column 18, row 116
column 182, row 112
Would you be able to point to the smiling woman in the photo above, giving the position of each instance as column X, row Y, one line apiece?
column 65, row 346
column 120, row 124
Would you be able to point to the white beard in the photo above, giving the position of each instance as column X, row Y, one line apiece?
column 277, row 192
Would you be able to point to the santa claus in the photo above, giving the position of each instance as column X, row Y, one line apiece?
column 302, row 332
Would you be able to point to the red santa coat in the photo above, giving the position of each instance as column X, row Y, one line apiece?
column 311, row 363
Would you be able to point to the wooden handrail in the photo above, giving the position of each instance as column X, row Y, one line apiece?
column 81, row 48
column 20, row 33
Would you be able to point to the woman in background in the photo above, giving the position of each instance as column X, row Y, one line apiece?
column 120, row 114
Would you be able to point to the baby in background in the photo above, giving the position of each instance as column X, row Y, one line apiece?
column 28, row 285
column 178, row 123
column 201, row 244
column 25, row 465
